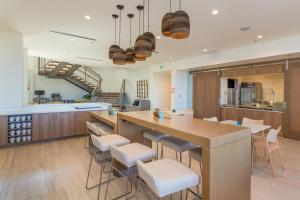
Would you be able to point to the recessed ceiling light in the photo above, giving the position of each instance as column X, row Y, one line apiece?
column 204, row 50
column 158, row 37
column 215, row 12
column 87, row 17
column 72, row 39
column 260, row 37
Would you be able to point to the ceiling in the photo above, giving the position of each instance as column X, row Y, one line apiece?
column 273, row 19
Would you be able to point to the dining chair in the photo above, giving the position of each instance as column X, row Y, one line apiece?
column 248, row 122
column 212, row 119
column 270, row 144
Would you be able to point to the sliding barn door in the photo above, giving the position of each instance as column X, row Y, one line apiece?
column 206, row 94
column 292, row 99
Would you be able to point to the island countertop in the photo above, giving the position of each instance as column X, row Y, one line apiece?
column 48, row 108
column 204, row 133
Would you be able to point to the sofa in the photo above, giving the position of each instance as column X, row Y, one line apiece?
column 138, row 105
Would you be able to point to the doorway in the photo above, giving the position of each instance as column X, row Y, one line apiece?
column 162, row 90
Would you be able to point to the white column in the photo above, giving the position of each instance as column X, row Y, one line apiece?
column 11, row 69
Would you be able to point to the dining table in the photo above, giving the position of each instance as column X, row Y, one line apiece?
column 254, row 129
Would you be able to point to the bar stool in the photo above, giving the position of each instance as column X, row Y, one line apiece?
column 178, row 145
column 127, row 156
column 154, row 136
column 195, row 154
column 96, row 129
column 101, row 145
column 167, row 176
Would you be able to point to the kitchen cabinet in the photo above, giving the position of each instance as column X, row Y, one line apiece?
column 292, row 99
column 52, row 125
column 3, row 130
column 206, row 94
column 43, row 126
column 64, row 124
column 80, row 122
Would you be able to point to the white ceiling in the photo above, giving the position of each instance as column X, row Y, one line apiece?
column 273, row 19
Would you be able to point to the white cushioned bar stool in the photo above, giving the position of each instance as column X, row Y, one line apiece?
column 167, row 176
column 101, row 145
column 127, row 156
column 154, row 136
column 97, row 129
column 178, row 145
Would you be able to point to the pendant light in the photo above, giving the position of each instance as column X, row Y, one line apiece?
column 148, row 33
column 165, row 25
column 130, row 52
column 180, row 24
column 120, row 57
column 143, row 45
column 114, row 48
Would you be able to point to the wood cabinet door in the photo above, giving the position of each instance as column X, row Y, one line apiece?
column 3, row 130
column 42, row 126
column 64, row 124
column 292, row 99
column 80, row 122
column 206, row 94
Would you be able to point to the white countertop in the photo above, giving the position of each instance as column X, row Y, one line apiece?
column 49, row 108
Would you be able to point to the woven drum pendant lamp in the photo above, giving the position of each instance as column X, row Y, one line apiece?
column 148, row 33
column 143, row 45
column 165, row 25
column 120, row 57
column 130, row 52
column 114, row 48
column 180, row 24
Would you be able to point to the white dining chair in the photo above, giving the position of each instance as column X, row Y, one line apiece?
column 270, row 144
column 212, row 119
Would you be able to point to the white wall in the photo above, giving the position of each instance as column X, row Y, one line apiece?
column 189, row 91
column 131, row 78
column 181, row 89
column 11, row 69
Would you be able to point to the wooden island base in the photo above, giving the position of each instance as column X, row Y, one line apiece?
column 226, row 150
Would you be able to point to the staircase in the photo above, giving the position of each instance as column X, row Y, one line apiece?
column 83, row 77
column 115, row 98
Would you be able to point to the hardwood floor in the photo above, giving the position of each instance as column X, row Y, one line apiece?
column 57, row 170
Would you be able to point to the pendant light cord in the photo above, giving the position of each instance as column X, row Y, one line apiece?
column 179, row 4
column 144, row 16
column 148, row 15
column 115, row 31
column 120, row 28
column 139, row 22
column 170, row 5
column 130, row 32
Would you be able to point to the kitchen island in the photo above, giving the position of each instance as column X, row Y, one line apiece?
column 226, row 150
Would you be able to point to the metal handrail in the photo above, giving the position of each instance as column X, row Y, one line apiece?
column 89, row 76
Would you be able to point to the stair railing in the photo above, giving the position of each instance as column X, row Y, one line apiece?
column 90, row 76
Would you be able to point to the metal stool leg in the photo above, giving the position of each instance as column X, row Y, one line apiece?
column 156, row 150
column 109, row 176
column 88, row 176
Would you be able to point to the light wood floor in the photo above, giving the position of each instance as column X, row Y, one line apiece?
column 57, row 170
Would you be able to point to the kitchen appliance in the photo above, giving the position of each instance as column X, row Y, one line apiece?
column 232, row 85
column 251, row 93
